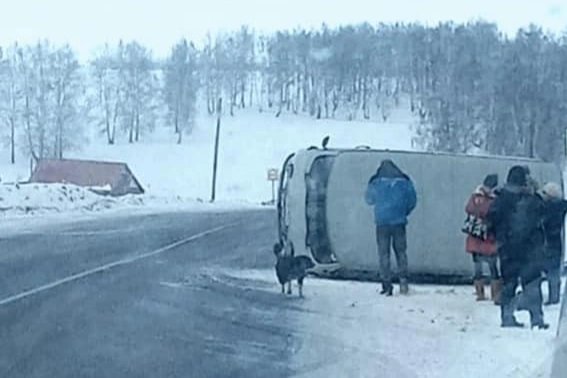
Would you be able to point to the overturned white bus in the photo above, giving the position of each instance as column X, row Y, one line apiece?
column 322, row 212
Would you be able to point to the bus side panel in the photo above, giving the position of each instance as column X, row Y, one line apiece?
column 350, row 219
column 349, row 222
column 443, row 185
column 435, row 243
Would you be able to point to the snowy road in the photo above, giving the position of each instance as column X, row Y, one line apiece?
column 194, row 295
column 157, row 316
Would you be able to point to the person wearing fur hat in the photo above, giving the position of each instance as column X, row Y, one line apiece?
column 479, row 243
column 555, row 210
column 516, row 218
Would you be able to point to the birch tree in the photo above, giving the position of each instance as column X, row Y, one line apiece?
column 181, row 87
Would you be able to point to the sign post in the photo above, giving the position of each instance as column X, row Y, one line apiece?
column 273, row 175
column 215, row 161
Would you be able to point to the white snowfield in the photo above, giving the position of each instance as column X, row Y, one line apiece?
column 250, row 144
column 350, row 330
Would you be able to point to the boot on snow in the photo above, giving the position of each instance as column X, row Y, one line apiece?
column 479, row 290
column 536, row 320
column 540, row 325
column 387, row 289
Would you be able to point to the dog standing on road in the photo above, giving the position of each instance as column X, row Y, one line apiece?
column 290, row 268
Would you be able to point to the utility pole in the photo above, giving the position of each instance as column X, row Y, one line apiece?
column 215, row 161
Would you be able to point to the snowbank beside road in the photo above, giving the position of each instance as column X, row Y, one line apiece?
column 17, row 199
column 25, row 206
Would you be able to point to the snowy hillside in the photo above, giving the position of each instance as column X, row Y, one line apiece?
column 250, row 143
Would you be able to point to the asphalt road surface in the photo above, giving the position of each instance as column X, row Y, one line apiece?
column 134, row 297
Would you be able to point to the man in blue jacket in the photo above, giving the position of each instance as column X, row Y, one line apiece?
column 393, row 196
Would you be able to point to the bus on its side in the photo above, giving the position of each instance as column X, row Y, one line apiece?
column 322, row 212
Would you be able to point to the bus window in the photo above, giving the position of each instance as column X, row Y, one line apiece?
column 317, row 237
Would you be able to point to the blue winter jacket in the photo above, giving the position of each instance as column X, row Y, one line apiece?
column 393, row 198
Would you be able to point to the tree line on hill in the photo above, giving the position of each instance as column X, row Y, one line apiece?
column 469, row 86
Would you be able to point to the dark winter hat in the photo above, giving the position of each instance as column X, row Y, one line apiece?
column 491, row 181
column 388, row 168
column 517, row 175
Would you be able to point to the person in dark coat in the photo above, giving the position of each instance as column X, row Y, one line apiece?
column 555, row 210
column 516, row 218
column 479, row 243
column 392, row 194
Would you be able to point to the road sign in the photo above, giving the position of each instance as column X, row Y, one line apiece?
column 273, row 174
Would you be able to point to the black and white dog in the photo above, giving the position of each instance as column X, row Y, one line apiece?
column 290, row 268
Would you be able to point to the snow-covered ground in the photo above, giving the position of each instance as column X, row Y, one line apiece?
column 181, row 174
column 349, row 330
column 30, row 206
column 39, row 199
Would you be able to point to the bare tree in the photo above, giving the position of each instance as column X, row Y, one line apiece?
column 139, row 77
column 34, row 62
column 68, row 92
column 209, row 74
column 181, row 87
column 52, row 91
column 109, row 90
column 10, row 95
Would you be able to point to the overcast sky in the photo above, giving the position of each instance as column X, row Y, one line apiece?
column 87, row 24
